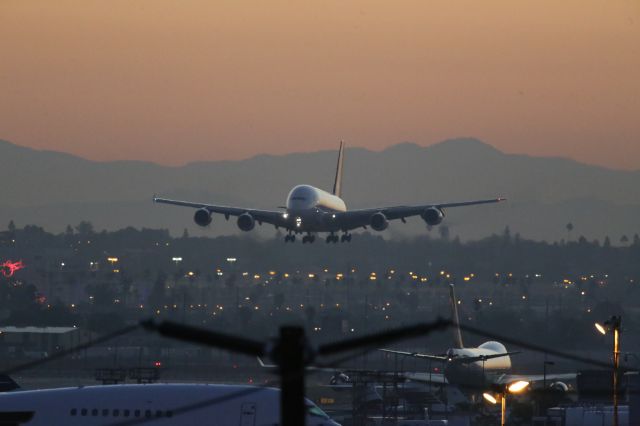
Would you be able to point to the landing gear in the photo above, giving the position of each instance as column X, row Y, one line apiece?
column 344, row 238
column 290, row 238
column 332, row 238
column 308, row 239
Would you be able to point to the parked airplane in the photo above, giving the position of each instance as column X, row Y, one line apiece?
column 163, row 404
column 476, row 367
column 310, row 210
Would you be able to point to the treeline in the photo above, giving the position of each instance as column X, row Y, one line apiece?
column 154, row 249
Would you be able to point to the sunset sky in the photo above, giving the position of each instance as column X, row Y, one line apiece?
column 177, row 81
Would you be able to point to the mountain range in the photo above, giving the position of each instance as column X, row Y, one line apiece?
column 54, row 189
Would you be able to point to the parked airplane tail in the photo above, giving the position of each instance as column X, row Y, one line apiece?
column 337, row 184
column 455, row 318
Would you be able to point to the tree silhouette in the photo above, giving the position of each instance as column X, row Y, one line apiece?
column 569, row 229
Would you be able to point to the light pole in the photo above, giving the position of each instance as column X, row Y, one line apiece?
column 544, row 373
column 502, row 392
column 613, row 324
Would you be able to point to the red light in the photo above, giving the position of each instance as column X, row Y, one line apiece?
column 157, row 364
column 9, row 268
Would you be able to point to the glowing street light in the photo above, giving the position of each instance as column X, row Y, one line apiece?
column 515, row 387
column 518, row 386
column 490, row 398
column 613, row 324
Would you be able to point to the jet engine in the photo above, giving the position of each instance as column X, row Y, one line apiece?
column 246, row 222
column 379, row 221
column 432, row 216
column 560, row 387
column 339, row 378
column 202, row 217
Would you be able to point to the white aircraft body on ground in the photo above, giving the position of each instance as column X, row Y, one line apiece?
column 475, row 368
column 310, row 210
column 161, row 404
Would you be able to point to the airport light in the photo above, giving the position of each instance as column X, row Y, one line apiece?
column 490, row 398
column 613, row 324
column 518, row 386
column 501, row 395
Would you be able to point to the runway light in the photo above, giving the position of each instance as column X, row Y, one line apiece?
column 600, row 328
column 490, row 398
column 518, row 386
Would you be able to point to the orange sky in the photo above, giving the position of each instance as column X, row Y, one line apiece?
column 176, row 81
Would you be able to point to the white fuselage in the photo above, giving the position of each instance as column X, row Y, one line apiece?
column 165, row 404
column 310, row 209
column 304, row 198
column 477, row 371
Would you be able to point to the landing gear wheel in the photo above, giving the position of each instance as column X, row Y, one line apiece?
column 331, row 238
column 345, row 238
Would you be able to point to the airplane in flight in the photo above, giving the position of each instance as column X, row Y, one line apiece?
column 310, row 210
column 475, row 368
column 162, row 404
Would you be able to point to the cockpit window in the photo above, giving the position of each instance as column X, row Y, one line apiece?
column 315, row 411
column 299, row 198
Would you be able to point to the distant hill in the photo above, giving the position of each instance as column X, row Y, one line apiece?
column 53, row 189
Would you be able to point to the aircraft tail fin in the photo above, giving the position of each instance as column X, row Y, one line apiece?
column 455, row 318
column 337, row 184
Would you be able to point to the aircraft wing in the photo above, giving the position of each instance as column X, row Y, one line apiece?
column 533, row 378
column 357, row 218
column 461, row 360
column 470, row 359
column 417, row 355
column 267, row 216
